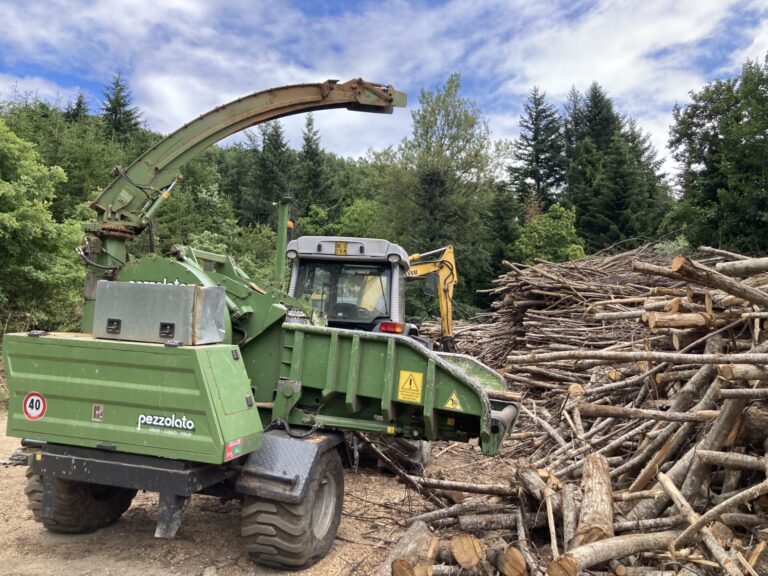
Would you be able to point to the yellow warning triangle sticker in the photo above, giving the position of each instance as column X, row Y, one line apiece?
column 453, row 403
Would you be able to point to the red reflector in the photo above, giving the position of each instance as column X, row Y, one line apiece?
column 393, row 327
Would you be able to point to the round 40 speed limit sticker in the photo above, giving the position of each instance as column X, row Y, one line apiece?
column 34, row 406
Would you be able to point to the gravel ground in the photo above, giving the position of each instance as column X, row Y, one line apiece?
column 208, row 542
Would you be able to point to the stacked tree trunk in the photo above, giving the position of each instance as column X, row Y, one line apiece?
column 641, row 443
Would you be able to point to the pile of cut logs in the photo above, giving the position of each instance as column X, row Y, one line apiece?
column 641, row 443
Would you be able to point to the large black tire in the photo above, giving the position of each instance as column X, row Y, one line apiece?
column 295, row 536
column 79, row 507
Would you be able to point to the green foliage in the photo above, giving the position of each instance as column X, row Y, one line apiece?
column 672, row 248
column 539, row 167
column 550, row 236
column 41, row 277
column 437, row 186
column 613, row 180
column 719, row 139
column 79, row 146
column 77, row 111
column 271, row 177
column 315, row 223
column 313, row 184
column 253, row 248
column 365, row 218
column 195, row 205
column 120, row 118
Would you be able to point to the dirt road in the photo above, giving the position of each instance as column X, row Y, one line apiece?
column 208, row 543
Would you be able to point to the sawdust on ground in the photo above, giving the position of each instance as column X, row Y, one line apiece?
column 208, row 543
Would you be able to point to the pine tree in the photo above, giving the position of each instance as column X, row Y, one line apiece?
column 313, row 185
column 77, row 110
column 272, row 177
column 613, row 180
column 539, row 161
column 121, row 119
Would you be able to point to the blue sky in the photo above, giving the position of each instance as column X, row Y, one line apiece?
column 183, row 57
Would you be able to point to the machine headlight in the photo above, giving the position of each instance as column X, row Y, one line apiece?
column 291, row 254
column 394, row 258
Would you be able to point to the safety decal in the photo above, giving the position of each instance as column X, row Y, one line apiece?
column 410, row 386
column 453, row 403
column 233, row 449
column 34, row 406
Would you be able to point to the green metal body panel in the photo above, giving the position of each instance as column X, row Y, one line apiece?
column 353, row 380
column 102, row 393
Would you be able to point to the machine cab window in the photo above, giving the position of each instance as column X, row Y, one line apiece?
column 346, row 292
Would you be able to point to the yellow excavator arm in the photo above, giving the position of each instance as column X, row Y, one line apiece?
column 442, row 263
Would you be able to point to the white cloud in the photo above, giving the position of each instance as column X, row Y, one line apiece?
column 36, row 87
column 758, row 47
column 183, row 57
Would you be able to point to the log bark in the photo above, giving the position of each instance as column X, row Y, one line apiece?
column 641, row 571
column 731, row 460
column 536, row 487
column 587, row 409
column 698, row 474
column 493, row 489
column 668, row 522
column 718, row 553
column 665, row 378
column 656, row 320
column 641, row 495
column 596, row 518
column 700, row 274
column 551, row 522
column 650, row 524
column 588, row 555
column 522, row 542
column 413, row 546
column 455, row 510
column 654, row 270
column 743, row 394
column 475, row 522
column 714, row 513
column 742, row 372
column 754, row 422
column 608, row 356
column 444, row 570
column 569, row 515
column 758, row 559
column 720, row 252
column 743, row 267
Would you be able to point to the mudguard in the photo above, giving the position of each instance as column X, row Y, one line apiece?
column 280, row 470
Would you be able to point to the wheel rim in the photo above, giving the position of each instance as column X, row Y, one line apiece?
column 324, row 506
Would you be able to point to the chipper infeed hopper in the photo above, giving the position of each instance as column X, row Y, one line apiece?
column 195, row 403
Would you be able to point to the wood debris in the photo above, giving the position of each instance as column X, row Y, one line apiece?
column 641, row 442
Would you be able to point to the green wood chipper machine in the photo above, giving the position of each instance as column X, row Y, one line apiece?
column 188, row 377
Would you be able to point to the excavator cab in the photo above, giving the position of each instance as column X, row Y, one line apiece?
column 356, row 283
